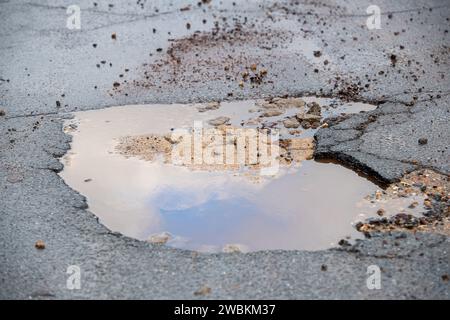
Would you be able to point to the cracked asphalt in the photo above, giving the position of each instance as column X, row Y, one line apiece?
column 180, row 51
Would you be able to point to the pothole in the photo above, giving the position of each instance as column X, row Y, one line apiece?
column 122, row 160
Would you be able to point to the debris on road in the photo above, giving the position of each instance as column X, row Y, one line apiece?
column 160, row 238
column 39, row 245
column 203, row 291
column 427, row 184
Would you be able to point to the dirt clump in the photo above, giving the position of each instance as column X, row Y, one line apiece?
column 39, row 245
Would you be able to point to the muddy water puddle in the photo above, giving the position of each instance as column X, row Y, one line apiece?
column 121, row 161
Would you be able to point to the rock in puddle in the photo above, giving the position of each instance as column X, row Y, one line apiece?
column 308, row 121
column 146, row 147
column 314, row 109
column 277, row 106
column 308, row 117
column 291, row 123
column 305, row 125
column 272, row 113
column 312, row 118
column 234, row 248
column 160, row 238
column 209, row 106
column 283, row 103
column 219, row 121
column 297, row 150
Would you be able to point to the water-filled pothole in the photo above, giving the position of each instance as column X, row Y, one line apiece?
column 119, row 161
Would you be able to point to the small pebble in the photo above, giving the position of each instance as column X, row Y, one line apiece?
column 203, row 291
column 39, row 245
